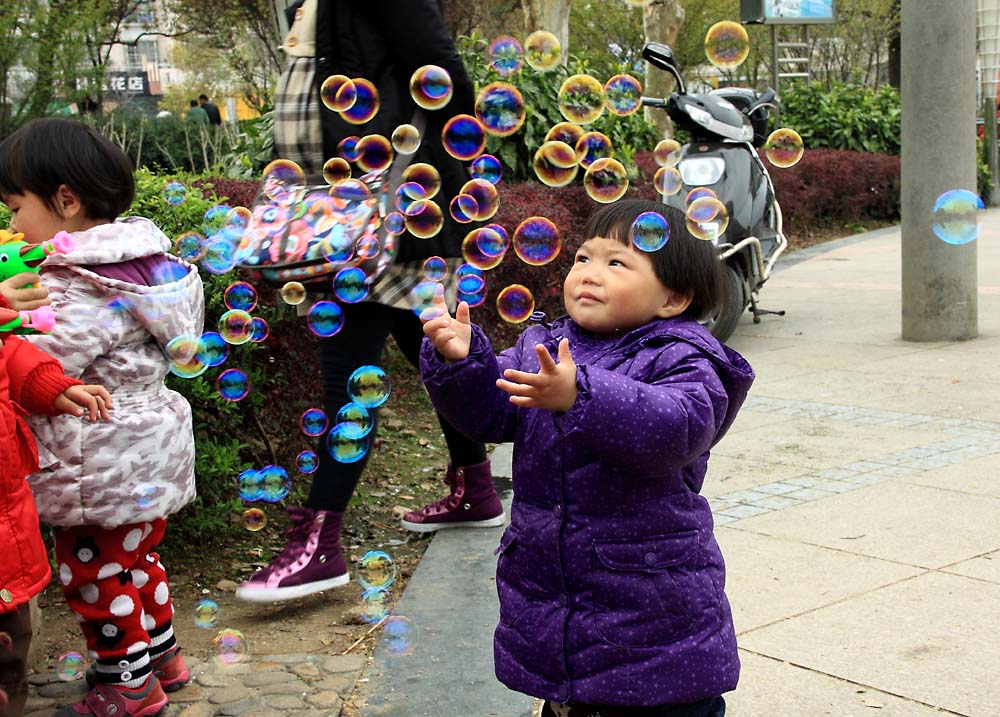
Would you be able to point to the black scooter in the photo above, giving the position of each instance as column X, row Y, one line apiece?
column 726, row 127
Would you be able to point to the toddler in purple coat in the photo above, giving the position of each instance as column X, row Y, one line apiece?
column 610, row 579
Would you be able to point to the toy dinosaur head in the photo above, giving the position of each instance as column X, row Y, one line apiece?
column 7, row 236
column 13, row 261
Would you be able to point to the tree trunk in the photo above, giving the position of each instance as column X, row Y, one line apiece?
column 894, row 53
column 661, row 21
column 551, row 15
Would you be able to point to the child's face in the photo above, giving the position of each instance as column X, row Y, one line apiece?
column 34, row 218
column 612, row 288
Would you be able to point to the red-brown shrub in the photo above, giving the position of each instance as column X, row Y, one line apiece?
column 238, row 192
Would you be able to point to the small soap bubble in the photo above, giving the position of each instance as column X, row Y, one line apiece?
column 605, row 181
column 336, row 170
column 707, row 218
column 338, row 93
column 314, row 422
column 500, row 108
column 406, row 139
column 424, row 219
column 464, row 137
column 231, row 647
column 249, row 485
column 784, row 148
column 292, row 293
column 727, row 45
column 351, row 190
column 536, row 241
column 547, row 162
column 374, row 153
column 215, row 219
column 253, row 519
column 376, row 570
column 487, row 167
column 347, row 148
column 566, row 132
column 698, row 193
column 233, row 384
column 542, row 50
column 70, row 666
column 506, row 55
column 431, row 87
column 240, row 218
column 435, row 268
column 307, row 462
column 486, row 195
column 395, row 224
column 593, row 146
column 399, row 635
column 235, row 327
column 275, row 484
column 667, row 181
column 956, row 216
column 145, row 495
column 189, row 246
column 667, row 153
column 470, row 284
column 426, row 176
column 406, row 194
column 325, row 318
column 472, row 250
column 376, row 604
column 495, row 242
column 240, row 295
column 623, row 95
column 206, row 614
column 186, row 357
column 259, row 330
column 515, row 303
column 357, row 415
column 463, row 208
column 650, row 231
column 219, row 255
column 369, row 386
column 581, row 99
column 174, row 193
column 350, row 285
column 344, row 445
column 283, row 181
column 366, row 104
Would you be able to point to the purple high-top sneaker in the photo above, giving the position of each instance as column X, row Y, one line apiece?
column 311, row 561
column 472, row 503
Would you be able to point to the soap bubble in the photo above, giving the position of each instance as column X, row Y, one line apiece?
column 542, row 50
column 366, row 103
column 500, row 108
column 344, row 445
column 189, row 246
column 464, row 137
column 536, row 241
column 421, row 299
column 667, row 153
column 494, row 242
column 369, row 386
column 174, row 193
column 593, row 146
column 424, row 219
column 307, row 462
column 463, row 208
column 506, row 55
column 235, row 327
column 426, row 176
column 376, row 570
column 395, row 224
column 487, row 167
column 358, row 416
column 956, row 216
column 727, row 45
column 292, row 293
column 275, row 485
column 231, row 647
column 431, row 87
column 374, row 153
column 350, row 285
column 336, row 170
column 667, row 181
column 435, row 268
column 184, row 352
column 253, row 519
column 240, row 217
column 240, row 295
column 406, row 139
column 650, row 231
column 283, row 180
column 325, row 318
column 399, row 635
column 547, row 163
column 249, row 485
column 472, row 248
column 406, row 194
column 347, row 148
column 581, row 99
column 259, row 330
column 351, row 190
column 698, row 193
column 605, row 181
column 145, row 495
column 707, row 218
column 565, row 132
column 623, row 95
column 515, row 303
column 784, row 148
column 314, row 422
column 70, row 666
column 338, row 93
column 233, row 384
column 376, row 604
column 206, row 614
column 486, row 195
column 559, row 154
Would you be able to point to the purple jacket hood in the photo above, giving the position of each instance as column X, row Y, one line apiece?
column 611, row 582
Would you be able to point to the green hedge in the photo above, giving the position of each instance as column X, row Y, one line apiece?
column 844, row 116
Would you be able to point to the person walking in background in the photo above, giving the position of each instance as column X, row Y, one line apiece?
column 386, row 43
column 214, row 116
column 196, row 115
column 609, row 576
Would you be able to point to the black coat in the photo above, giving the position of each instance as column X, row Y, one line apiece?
column 384, row 41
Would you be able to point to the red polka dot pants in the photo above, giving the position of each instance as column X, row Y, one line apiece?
column 117, row 587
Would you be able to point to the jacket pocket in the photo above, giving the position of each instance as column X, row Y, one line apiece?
column 514, row 587
column 642, row 596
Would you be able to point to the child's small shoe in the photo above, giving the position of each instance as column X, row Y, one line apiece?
column 170, row 670
column 117, row 701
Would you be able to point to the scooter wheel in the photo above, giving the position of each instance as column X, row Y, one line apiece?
column 723, row 322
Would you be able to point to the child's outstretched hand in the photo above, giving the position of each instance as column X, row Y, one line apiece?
column 21, row 297
column 552, row 388
column 81, row 400
column 451, row 336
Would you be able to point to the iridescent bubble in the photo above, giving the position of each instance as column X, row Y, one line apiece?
column 314, row 422
column 253, row 519
column 343, row 445
column 366, row 103
column 358, row 416
column 473, row 300
column 188, row 246
column 463, row 208
column 145, row 495
column 70, row 666
column 376, row 570
column 593, row 146
column 275, row 485
column 421, row 299
column 325, row 318
column 494, row 242
column 536, row 241
column 249, row 485
column 406, row 139
column 369, row 386
column 727, row 45
column 606, row 181
column 426, row 176
column 184, row 353
column 566, row 132
column 351, row 190
column 486, row 195
column 307, row 462
column 581, row 99
column 240, row 295
column 435, row 268
column 235, row 327
column 784, row 148
column 368, row 246
column 174, row 193
column 376, row 604
column 424, row 219
column 548, row 171
column 283, row 179
column 219, row 256
column 698, row 193
column 667, row 153
column 623, row 95
column 338, row 93
column 399, row 635
column 395, row 224
column 206, row 614
column 472, row 250
column 231, row 647
column 650, row 231
column 430, row 87
column 956, row 216
column 667, row 181
column 707, row 218
column 515, row 303
column 374, row 153
column 336, row 170
column 292, row 293
column 240, row 217
column 464, row 137
column 471, row 284
column 347, row 148
column 406, row 194
column 350, row 285
column 542, row 50
column 487, row 167
column 259, row 330
column 337, row 247
column 500, row 108
column 506, row 55
column 233, row 384
column 215, row 219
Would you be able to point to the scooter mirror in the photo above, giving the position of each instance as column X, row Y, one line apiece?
column 659, row 55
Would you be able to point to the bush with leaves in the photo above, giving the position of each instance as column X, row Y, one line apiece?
column 843, row 116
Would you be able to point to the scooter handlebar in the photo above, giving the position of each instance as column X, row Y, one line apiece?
column 654, row 102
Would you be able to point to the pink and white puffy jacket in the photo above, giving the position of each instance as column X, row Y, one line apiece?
column 139, row 465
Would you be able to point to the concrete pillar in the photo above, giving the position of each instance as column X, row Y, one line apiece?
column 939, row 153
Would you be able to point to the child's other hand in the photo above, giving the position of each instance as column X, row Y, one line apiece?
column 450, row 336
column 24, row 299
column 552, row 388
column 80, row 400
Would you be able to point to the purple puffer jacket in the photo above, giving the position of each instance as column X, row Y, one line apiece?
column 610, row 580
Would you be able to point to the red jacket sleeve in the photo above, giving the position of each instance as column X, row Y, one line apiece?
column 36, row 379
